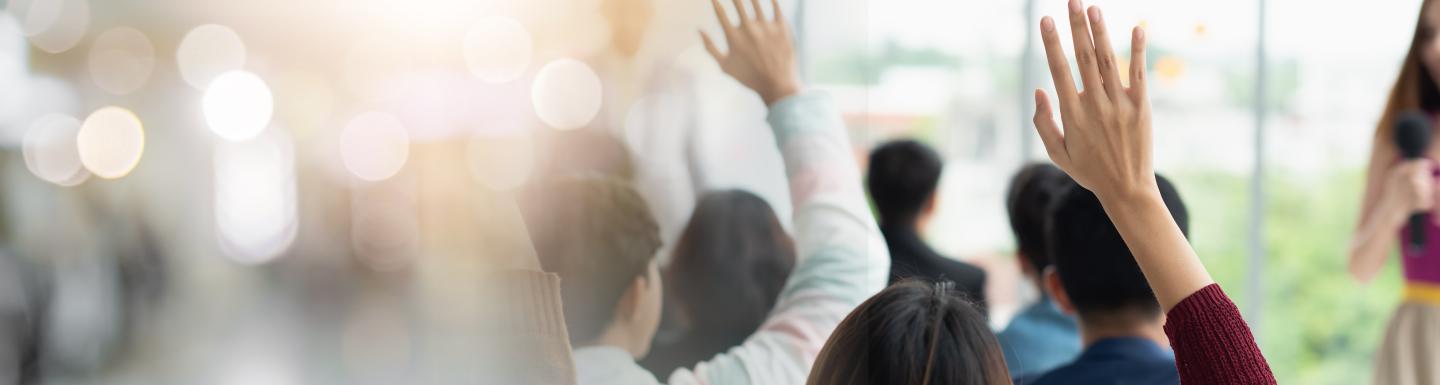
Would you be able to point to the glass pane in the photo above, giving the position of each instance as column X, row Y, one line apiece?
column 948, row 74
column 1327, row 89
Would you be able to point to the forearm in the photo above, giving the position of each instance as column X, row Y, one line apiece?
column 1212, row 343
column 842, row 259
column 1160, row 248
column 817, row 153
column 830, row 214
column 1374, row 240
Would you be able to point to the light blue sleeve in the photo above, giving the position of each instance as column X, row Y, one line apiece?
column 843, row 258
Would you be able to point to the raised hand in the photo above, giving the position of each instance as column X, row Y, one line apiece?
column 1106, row 147
column 1410, row 188
column 1106, row 142
column 761, row 50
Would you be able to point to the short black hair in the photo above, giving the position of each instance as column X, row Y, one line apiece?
column 914, row 332
column 1031, row 193
column 1097, row 270
column 598, row 235
column 902, row 176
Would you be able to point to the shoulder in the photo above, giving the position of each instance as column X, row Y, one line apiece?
column 961, row 271
column 1065, row 374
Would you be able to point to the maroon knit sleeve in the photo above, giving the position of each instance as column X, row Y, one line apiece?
column 1212, row 343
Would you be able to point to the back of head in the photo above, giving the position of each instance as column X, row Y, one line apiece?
column 729, row 265
column 599, row 236
column 1028, row 201
column 1098, row 272
column 912, row 333
column 902, row 177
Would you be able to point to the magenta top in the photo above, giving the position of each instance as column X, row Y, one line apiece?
column 1422, row 266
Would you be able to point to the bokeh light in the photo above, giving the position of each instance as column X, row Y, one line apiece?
column 51, row 152
column 121, row 60
column 207, row 52
column 14, row 53
column 498, row 49
column 238, row 105
column 502, row 162
column 53, row 26
column 566, row 94
column 111, row 142
column 14, row 73
column 256, row 213
column 374, row 146
column 30, row 98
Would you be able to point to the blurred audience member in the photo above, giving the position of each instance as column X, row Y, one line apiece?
column 597, row 234
column 1096, row 277
column 601, row 239
column 1041, row 337
column 915, row 332
column 902, row 179
column 723, row 279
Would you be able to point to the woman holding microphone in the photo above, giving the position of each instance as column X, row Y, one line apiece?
column 1395, row 189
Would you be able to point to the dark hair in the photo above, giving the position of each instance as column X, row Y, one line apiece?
column 1415, row 87
column 1031, row 192
column 1097, row 270
column 598, row 235
column 912, row 333
column 585, row 153
column 902, row 176
column 726, row 273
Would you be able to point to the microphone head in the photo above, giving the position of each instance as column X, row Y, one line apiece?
column 1412, row 134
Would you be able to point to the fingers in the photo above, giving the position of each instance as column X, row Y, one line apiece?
column 1105, row 55
column 779, row 15
column 1085, row 51
column 741, row 13
column 759, row 11
column 1050, row 133
column 1059, row 66
column 724, row 17
column 710, row 47
column 1423, row 185
column 1137, row 66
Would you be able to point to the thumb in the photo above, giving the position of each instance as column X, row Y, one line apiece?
column 1050, row 133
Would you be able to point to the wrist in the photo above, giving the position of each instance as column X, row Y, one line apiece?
column 1143, row 192
column 779, row 91
column 1121, row 204
column 1393, row 213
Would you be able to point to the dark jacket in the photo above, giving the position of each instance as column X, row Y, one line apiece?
column 911, row 257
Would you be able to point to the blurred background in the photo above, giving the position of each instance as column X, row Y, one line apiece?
column 283, row 192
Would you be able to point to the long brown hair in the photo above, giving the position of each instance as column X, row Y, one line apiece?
column 1415, row 89
column 912, row 333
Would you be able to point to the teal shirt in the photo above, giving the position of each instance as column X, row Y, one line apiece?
column 1039, row 339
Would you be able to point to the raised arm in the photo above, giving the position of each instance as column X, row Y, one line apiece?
column 842, row 258
column 1106, row 147
column 1392, row 191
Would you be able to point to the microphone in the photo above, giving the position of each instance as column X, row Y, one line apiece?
column 1412, row 136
